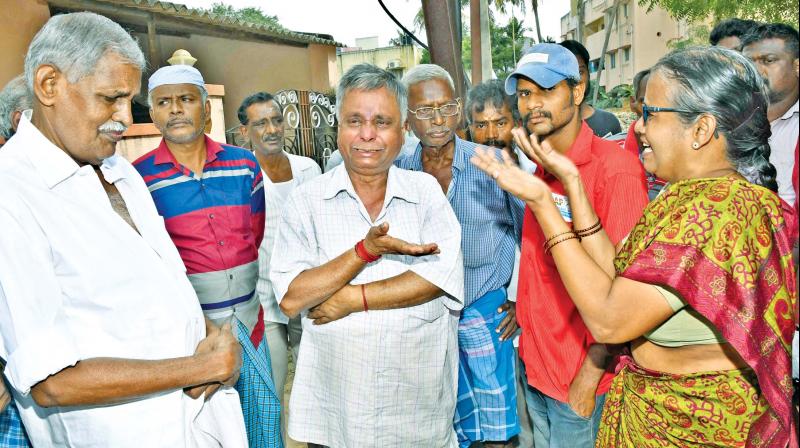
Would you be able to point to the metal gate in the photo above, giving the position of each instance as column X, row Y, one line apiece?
column 310, row 119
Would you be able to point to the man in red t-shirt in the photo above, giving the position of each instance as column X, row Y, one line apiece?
column 567, row 373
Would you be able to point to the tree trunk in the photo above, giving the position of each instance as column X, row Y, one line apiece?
column 609, row 25
column 535, row 5
column 444, row 39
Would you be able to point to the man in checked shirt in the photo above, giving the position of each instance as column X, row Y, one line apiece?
column 211, row 197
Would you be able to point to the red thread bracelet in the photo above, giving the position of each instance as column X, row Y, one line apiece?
column 364, row 254
column 364, row 298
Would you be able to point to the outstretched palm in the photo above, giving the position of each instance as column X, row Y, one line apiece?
column 545, row 156
column 509, row 176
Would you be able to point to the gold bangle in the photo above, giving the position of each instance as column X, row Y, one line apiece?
column 556, row 242
column 556, row 236
column 594, row 226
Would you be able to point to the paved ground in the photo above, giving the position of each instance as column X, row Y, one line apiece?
column 287, row 392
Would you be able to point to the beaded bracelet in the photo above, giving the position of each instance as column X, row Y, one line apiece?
column 584, row 235
column 585, row 231
column 547, row 249
column 556, row 236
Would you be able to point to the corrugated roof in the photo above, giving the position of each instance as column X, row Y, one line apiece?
column 201, row 16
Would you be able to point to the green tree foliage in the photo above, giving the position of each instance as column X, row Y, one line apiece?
column 700, row 10
column 248, row 15
column 401, row 39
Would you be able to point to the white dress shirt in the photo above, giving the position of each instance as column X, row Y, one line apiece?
column 303, row 169
column 78, row 282
column 782, row 144
column 377, row 378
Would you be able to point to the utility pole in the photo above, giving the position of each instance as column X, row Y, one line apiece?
column 444, row 39
column 481, row 41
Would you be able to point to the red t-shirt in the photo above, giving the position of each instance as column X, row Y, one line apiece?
column 554, row 339
column 631, row 142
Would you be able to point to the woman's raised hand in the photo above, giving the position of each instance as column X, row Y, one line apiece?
column 510, row 177
column 545, row 156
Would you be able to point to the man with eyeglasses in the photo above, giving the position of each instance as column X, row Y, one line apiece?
column 491, row 222
column 567, row 373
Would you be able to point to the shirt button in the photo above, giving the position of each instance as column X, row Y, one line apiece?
column 211, row 216
column 222, row 243
column 231, row 276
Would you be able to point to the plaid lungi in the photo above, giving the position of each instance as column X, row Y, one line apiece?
column 12, row 433
column 487, row 395
column 260, row 404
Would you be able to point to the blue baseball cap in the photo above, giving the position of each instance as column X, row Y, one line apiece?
column 546, row 65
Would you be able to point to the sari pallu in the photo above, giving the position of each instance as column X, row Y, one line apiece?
column 724, row 245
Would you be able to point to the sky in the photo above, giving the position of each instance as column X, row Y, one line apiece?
column 347, row 20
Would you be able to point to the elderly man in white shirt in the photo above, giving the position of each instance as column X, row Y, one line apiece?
column 262, row 125
column 378, row 359
column 100, row 327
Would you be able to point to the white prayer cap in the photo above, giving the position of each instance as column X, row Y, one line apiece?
column 175, row 74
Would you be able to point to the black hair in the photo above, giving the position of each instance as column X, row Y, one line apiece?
column 726, row 85
column 490, row 91
column 581, row 52
column 637, row 80
column 774, row 31
column 260, row 97
column 578, row 50
column 730, row 27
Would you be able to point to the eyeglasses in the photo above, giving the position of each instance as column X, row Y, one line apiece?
column 446, row 110
column 647, row 110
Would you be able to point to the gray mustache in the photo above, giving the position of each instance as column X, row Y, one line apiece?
column 112, row 126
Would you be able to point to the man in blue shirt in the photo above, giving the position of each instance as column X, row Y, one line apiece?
column 491, row 221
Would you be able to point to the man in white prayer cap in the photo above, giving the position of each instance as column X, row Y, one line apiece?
column 211, row 197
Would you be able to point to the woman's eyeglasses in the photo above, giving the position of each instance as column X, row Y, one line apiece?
column 647, row 110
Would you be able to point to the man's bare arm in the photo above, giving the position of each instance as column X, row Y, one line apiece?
column 100, row 381
column 314, row 286
column 401, row 291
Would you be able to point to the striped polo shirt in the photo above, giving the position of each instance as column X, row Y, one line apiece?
column 216, row 220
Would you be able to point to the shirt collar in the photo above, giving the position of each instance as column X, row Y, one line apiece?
column 581, row 150
column 53, row 163
column 396, row 186
column 792, row 110
column 459, row 155
column 164, row 155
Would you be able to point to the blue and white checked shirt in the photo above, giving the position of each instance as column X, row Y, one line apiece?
column 490, row 218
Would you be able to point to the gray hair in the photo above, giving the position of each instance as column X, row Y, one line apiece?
column 427, row 72
column 726, row 85
column 490, row 92
column 203, row 96
column 14, row 97
column 75, row 43
column 369, row 77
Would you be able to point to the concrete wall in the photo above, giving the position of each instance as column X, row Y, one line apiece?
column 408, row 55
column 20, row 20
column 245, row 67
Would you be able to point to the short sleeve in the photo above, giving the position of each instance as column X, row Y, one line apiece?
column 36, row 336
column 440, row 226
column 295, row 242
column 675, row 301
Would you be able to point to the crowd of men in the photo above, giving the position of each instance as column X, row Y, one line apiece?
column 155, row 303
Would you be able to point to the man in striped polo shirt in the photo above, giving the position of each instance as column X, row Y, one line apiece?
column 212, row 200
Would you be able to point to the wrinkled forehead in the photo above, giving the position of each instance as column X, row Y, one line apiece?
column 172, row 90
column 430, row 91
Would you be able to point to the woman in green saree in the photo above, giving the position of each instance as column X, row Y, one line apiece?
column 703, row 288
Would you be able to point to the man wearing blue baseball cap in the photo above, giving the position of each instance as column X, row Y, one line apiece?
column 567, row 373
